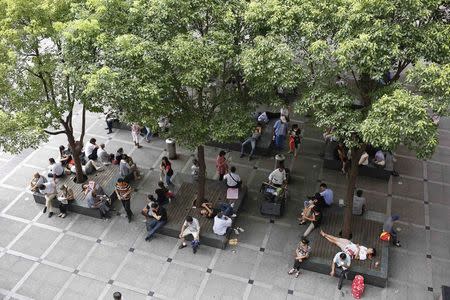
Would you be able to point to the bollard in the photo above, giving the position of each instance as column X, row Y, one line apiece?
column 171, row 148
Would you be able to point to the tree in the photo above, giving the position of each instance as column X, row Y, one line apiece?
column 178, row 59
column 46, row 68
column 351, row 58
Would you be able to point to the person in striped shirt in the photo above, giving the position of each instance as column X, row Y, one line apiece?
column 123, row 192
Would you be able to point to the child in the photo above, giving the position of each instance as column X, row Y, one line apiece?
column 294, row 139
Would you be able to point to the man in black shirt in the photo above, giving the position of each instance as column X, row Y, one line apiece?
column 158, row 219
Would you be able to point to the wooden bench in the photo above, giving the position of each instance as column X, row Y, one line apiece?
column 330, row 162
column 365, row 232
column 106, row 178
column 181, row 207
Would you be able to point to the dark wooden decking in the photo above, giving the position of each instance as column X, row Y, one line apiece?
column 365, row 232
column 179, row 208
column 106, row 178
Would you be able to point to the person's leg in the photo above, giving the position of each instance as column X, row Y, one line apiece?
column 89, row 167
column 109, row 125
column 297, row 264
column 341, row 277
column 168, row 180
column 309, row 229
column 126, row 206
column 253, row 144
column 148, row 135
column 158, row 225
column 48, row 203
column 247, row 141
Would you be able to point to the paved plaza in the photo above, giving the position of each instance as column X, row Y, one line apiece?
column 85, row 258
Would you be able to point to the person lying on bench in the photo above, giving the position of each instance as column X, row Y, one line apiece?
column 355, row 251
column 87, row 169
column 210, row 212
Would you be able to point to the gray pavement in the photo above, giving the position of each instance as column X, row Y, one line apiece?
column 84, row 258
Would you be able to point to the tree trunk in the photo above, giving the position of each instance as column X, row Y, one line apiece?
column 353, row 175
column 76, row 148
column 201, row 175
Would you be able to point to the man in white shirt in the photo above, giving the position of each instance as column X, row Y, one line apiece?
column 341, row 261
column 278, row 177
column 221, row 224
column 191, row 226
column 56, row 169
column 90, row 151
column 37, row 180
column 48, row 189
column 232, row 179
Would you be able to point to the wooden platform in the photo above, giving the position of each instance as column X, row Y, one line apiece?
column 106, row 178
column 365, row 232
column 181, row 206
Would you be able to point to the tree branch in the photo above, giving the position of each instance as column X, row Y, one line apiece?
column 54, row 132
column 83, row 124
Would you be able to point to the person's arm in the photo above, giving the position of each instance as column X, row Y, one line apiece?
column 312, row 218
column 333, row 268
column 182, row 229
column 154, row 215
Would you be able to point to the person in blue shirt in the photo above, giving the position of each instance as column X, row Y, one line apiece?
column 327, row 194
column 279, row 132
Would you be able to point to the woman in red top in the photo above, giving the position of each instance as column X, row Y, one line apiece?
column 166, row 169
column 221, row 164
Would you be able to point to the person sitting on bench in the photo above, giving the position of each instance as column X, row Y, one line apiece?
column 302, row 253
column 232, row 179
column 159, row 219
column 98, row 201
column 64, row 155
column 278, row 177
column 191, row 226
column 355, row 251
column 90, row 151
column 210, row 212
column 104, row 157
column 379, row 159
column 87, row 169
column 56, row 169
column 316, row 201
column 222, row 224
column 37, row 180
column 342, row 262
column 128, row 169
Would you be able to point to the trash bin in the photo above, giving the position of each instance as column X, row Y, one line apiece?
column 279, row 159
column 171, row 149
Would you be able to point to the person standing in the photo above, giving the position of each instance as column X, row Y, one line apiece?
column 221, row 165
column 191, row 226
column 123, row 192
column 48, row 189
column 388, row 226
column 159, row 219
column 109, row 118
column 294, row 139
column 135, row 133
column 359, row 203
column 301, row 253
column 342, row 262
column 64, row 198
column 166, row 170
column 252, row 141
column 279, row 132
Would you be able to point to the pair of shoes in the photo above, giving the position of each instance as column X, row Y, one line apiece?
column 109, row 132
column 60, row 215
column 397, row 244
column 129, row 219
column 240, row 229
column 139, row 146
column 50, row 214
column 233, row 215
column 236, row 231
column 297, row 274
column 45, row 210
column 147, row 239
column 291, row 271
column 63, row 216
column 182, row 246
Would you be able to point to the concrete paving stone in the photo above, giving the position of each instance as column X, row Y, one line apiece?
column 333, row 177
column 273, row 270
column 125, row 233
column 403, row 150
column 234, row 156
column 375, row 202
column 6, row 155
column 444, row 138
column 438, row 172
column 397, row 290
column 146, row 157
column 306, row 166
column 123, row 135
column 440, row 244
column 255, row 230
column 291, row 213
column 308, row 283
column 57, row 140
column 372, row 184
column 439, row 216
column 179, row 163
column 412, row 238
column 70, row 251
column 138, row 271
column 409, row 167
column 284, row 239
column 309, row 147
column 83, row 288
column 440, row 273
column 89, row 226
column 21, row 177
column 99, row 129
column 35, row 241
column 202, row 258
column 267, row 162
column 402, row 268
column 444, row 123
column 126, row 294
column 44, row 283
column 239, row 263
column 151, row 182
column 405, row 187
column 114, row 145
column 104, row 261
column 258, row 293
column 441, row 154
column 12, row 269
column 40, row 157
column 408, row 210
column 8, row 195
column 310, row 131
column 251, row 203
column 56, row 221
column 26, row 208
column 259, row 177
column 9, row 230
column 160, row 244
column 219, row 287
column 438, row 193
column 180, row 282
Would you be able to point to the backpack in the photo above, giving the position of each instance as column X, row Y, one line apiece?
column 358, row 287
